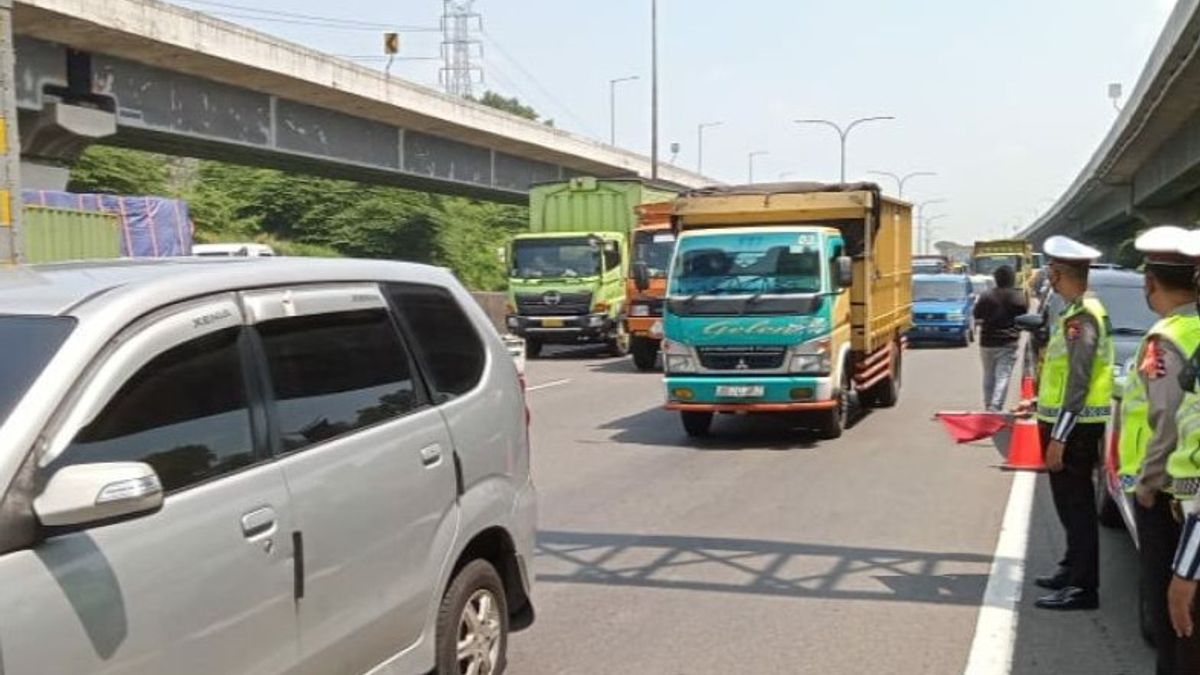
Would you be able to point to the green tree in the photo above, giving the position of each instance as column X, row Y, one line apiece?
column 118, row 171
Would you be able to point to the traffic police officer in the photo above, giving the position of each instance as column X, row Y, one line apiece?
column 1154, row 391
column 1074, row 403
column 1183, row 470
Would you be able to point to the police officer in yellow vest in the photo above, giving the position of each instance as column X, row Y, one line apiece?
column 1154, row 391
column 1183, row 471
column 1074, row 402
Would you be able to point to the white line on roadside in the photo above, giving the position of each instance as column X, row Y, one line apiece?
column 996, row 629
column 555, row 383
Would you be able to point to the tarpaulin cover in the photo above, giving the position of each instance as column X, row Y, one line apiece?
column 151, row 227
column 966, row 427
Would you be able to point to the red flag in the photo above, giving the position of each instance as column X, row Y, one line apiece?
column 965, row 427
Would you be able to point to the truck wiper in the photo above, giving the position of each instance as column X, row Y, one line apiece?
column 753, row 299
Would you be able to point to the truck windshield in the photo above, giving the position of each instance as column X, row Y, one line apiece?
column 555, row 258
column 737, row 264
column 654, row 249
column 29, row 343
column 990, row 264
column 931, row 289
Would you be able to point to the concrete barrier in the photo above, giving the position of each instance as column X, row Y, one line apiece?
column 493, row 306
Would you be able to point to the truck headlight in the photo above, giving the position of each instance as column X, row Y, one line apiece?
column 677, row 358
column 955, row 316
column 596, row 320
column 514, row 322
column 639, row 310
column 811, row 358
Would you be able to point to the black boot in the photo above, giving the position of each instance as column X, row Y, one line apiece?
column 1070, row 598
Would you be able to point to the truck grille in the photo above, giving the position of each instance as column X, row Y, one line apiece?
column 741, row 358
column 929, row 317
column 553, row 303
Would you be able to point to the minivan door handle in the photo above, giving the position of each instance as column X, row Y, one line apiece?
column 258, row 522
column 431, row 454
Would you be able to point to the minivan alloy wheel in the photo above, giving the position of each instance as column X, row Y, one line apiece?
column 479, row 633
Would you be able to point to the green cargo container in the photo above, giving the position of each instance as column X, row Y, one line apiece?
column 56, row 235
column 589, row 204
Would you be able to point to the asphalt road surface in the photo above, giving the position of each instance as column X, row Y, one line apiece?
column 764, row 550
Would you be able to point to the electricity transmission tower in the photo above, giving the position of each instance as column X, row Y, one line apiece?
column 460, row 49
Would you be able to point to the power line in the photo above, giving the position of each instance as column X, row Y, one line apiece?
column 536, row 83
column 278, row 16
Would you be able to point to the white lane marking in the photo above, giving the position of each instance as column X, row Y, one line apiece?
column 996, row 629
column 555, row 383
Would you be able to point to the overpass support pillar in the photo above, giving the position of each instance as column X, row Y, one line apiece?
column 53, row 138
column 11, row 236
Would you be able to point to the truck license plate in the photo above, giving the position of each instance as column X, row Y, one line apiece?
column 552, row 323
column 744, row 391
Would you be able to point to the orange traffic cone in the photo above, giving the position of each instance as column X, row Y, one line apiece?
column 1025, row 446
column 1027, row 389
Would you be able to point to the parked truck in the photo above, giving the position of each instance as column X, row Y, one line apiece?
column 567, row 276
column 988, row 256
column 787, row 299
column 651, row 248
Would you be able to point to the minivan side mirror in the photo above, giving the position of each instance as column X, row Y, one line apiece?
column 641, row 275
column 845, row 271
column 1030, row 322
column 88, row 493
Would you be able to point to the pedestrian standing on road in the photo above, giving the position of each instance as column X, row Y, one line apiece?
column 1183, row 472
column 996, row 311
column 1074, row 403
column 1154, row 391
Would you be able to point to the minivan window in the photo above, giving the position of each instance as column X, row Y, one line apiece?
column 334, row 373
column 185, row 413
column 29, row 343
column 446, row 339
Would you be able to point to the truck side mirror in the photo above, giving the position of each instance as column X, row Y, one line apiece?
column 641, row 275
column 1030, row 322
column 845, row 271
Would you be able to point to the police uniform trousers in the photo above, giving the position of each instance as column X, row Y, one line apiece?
column 1074, row 495
column 1158, row 537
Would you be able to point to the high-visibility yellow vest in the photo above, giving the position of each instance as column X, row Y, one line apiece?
column 1183, row 466
column 1052, row 388
column 1181, row 330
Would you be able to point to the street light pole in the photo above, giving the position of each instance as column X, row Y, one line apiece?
column 654, row 89
column 612, row 106
column 843, row 133
column 929, row 230
column 700, row 143
column 921, row 220
column 901, row 180
column 752, row 155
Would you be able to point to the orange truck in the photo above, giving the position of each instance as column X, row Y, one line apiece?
column 651, row 247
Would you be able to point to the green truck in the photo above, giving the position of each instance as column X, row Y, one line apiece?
column 567, row 276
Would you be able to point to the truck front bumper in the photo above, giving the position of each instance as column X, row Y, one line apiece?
column 561, row 329
column 790, row 393
column 644, row 326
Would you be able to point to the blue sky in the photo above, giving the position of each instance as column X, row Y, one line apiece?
column 1005, row 100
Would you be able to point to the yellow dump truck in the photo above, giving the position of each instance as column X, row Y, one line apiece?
column 788, row 299
column 988, row 256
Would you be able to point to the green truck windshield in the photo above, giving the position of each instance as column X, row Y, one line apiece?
column 29, row 343
column 654, row 249
column 730, row 264
column 555, row 258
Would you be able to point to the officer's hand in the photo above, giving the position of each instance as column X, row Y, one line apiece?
column 1146, row 498
column 1054, row 456
column 1180, row 596
column 1025, row 407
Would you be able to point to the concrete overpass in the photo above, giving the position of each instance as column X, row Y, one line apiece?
column 151, row 75
column 1147, row 170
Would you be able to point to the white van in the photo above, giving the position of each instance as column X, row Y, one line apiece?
column 233, row 466
column 232, row 250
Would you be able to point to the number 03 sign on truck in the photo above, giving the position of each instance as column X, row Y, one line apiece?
column 789, row 299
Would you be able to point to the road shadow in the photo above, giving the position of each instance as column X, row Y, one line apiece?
column 662, row 428
column 581, row 352
column 622, row 366
column 934, row 346
column 761, row 567
column 1107, row 641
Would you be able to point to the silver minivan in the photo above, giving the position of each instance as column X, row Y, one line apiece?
column 257, row 466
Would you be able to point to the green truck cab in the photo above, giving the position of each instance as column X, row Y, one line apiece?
column 566, row 282
column 787, row 299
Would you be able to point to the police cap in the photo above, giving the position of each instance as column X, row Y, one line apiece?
column 1163, row 245
column 1066, row 250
